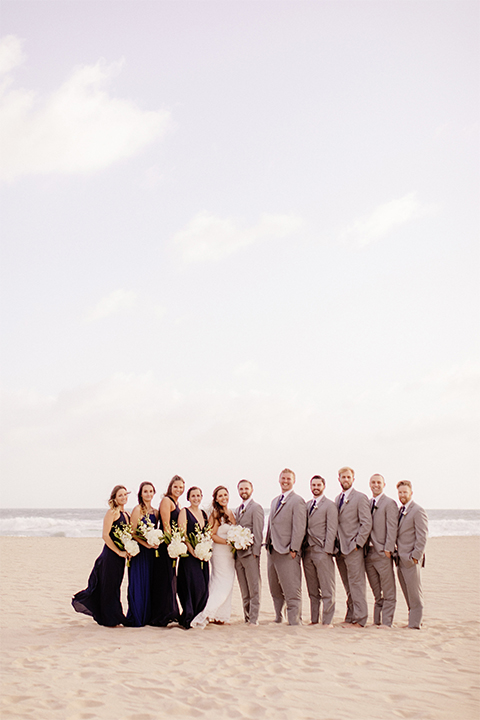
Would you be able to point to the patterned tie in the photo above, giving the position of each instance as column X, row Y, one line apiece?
column 373, row 506
column 279, row 502
column 401, row 513
column 314, row 505
column 342, row 499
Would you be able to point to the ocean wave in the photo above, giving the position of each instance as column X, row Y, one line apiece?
column 78, row 523
column 457, row 526
column 34, row 526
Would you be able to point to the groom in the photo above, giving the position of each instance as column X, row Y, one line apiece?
column 247, row 562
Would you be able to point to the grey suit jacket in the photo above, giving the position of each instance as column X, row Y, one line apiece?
column 322, row 525
column 354, row 521
column 384, row 525
column 412, row 534
column 253, row 518
column 286, row 526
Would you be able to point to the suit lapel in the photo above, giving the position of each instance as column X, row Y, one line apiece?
column 282, row 504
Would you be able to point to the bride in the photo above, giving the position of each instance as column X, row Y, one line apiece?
column 219, row 604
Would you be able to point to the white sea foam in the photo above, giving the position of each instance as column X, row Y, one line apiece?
column 88, row 522
column 52, row 523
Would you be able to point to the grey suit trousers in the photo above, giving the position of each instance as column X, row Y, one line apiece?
column 410, row 579
column 379, row 569
column 285, row 581
column 319, row 570
column 352, row 571
column 248, row 575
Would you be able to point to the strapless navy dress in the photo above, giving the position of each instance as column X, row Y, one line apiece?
column 101, row 599
column 163, row 597
column 192, row 581
column 139, row 585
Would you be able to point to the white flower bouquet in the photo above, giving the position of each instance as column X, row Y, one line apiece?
column 175, row 541
column 239, row 537
column 202, row 543
column 122, row 537
column 148, row 532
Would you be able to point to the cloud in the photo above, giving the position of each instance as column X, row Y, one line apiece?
column 78, row 128
column 11, row 54
column 69, row 449
column 209, row 237
column 385, row 218
column 121, row 301
column 117, row 301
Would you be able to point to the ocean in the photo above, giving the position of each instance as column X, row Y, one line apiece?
column 88, row 522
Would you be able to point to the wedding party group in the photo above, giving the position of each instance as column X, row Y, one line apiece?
column 182, row 563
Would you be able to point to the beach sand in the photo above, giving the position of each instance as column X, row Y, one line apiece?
column 57, row 664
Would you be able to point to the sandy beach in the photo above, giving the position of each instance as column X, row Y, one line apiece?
column 61, row 665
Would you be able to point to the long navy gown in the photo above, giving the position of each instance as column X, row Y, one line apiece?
column 139, row 585
column 163, row 598
column 101, row 599
column 192, row 580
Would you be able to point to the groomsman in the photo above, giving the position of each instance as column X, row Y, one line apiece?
column 354, row 526
column 247, row 562
column 411, row 541
column 381, row 544
column 285, row 533
column 319, row 546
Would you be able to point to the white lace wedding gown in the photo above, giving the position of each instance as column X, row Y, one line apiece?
column 222, row 568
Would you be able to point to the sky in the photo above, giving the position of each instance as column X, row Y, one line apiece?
column 238, row 236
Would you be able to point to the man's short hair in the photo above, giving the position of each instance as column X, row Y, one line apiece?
column 318, row 477
column 247, row 481
column 346, row 469
column 404, row 482
column 287, row 470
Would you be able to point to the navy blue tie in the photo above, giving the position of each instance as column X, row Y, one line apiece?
column 279, row 502
column 342, row 499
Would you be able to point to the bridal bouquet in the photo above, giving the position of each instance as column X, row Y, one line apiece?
column 202, row 543
column 239, row 537
column 122, row 537
column 148, row 532
column 175, row 540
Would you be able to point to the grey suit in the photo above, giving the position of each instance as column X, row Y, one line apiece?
column 285, row 532
column 247, row 562
column 318, row 565
column 354, row 526
column 378, row 566
column 411, row 541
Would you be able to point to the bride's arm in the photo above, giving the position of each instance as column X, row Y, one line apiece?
column 214, row 524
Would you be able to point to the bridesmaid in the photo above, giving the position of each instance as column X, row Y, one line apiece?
column 164, row 579
column 192, row 577
column 101, row 599
column 140, row 570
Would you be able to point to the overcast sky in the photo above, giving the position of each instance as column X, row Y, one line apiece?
column 239, row 235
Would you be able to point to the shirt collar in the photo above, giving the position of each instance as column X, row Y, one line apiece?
column 347, row 493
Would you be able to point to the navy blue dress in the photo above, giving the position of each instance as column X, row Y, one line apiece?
column 139, row 585
column 192, row 580
column 101, row 599
column 163, row 598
